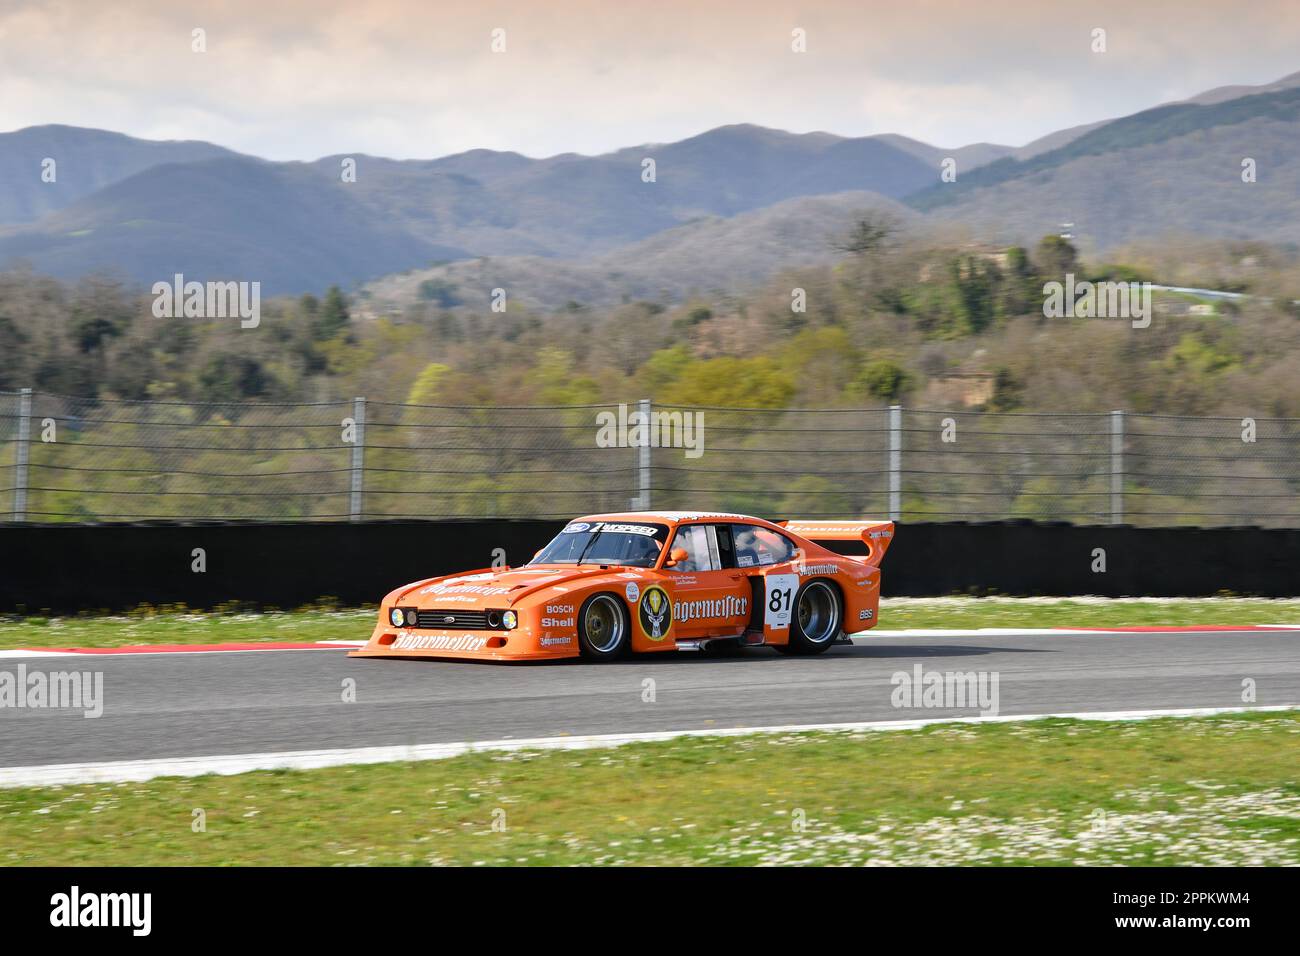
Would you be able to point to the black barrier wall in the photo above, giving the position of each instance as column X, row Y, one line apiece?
column 69, row 568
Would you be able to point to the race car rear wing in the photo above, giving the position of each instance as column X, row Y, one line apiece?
column 876, row 535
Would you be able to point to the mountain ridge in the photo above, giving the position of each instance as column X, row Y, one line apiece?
column 147, row 209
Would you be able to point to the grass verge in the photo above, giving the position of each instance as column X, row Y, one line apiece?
column 1204, row 791
column 177, row 626
column 967, row 612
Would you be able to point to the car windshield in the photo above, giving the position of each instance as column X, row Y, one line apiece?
column 605, row 542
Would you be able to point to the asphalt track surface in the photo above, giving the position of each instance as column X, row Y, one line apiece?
column 187, row 705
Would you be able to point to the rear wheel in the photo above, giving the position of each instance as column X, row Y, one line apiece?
column 604, row 632
column 817, row 620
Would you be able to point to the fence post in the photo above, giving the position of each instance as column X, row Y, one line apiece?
column 21, row 453
column 895, row 462
column 1117, row 467
column 643, row 459
column 358, row 456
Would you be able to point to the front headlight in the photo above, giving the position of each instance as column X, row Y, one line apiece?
column 510, row 619
column 395, row 616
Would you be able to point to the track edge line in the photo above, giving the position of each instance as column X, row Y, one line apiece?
column 137, row 771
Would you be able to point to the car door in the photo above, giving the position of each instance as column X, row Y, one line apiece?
column 711, row 598
column 766, row 558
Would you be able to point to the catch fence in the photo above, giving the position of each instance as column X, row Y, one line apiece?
column 65, row 459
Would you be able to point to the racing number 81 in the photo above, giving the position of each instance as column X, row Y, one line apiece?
column 781, row 589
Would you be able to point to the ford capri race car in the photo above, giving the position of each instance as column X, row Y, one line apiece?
column 646, row 582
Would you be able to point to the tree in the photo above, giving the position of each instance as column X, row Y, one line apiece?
column 334, row 317
column 425, row 390
column 1055, row 257
column 1018, row 261
column 89, row 332
column 1007, row 391
column 869, row 233
column 232, row 378
column 12, row 340
column 439, row 291
column 885, row 379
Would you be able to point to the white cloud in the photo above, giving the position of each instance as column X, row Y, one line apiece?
column 411, row 79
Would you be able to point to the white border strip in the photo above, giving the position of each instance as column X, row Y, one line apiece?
column 135, row 771
column 861, row 639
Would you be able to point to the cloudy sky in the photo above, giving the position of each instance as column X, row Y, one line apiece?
column 292, row 79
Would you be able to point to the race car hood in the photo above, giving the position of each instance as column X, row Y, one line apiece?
column 489, row 588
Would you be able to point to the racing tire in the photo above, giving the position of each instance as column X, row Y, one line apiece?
column 817, row 620
column 604, row 628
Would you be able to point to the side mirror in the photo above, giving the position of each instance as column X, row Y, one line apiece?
column 676, row 556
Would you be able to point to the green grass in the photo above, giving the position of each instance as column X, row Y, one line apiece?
column 171, row 626
column 150, row 626
column 962, row 612
column 1207, row 791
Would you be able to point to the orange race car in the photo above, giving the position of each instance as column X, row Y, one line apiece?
column 647, row 581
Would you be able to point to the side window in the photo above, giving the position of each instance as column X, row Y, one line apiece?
column 695, row 540
column 757, row 546
column 726, row 551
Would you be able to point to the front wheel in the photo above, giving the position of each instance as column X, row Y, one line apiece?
column 817, row 620
column 604, row 632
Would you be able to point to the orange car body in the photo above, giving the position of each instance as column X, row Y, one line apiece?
column 741, row 592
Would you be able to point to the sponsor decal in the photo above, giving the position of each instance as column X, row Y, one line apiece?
column 451, row 588
column 612, row 527
column 632, row 592
column 439, row 642
column 866, row 615
column 816, row 569
column 728, row 606
column 648, row 530
column 548, row 641
column 655, row 613
column 559, row 609
column 559, row 622
column 745, row 561
column 814, row 530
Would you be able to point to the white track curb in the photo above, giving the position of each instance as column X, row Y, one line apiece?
column 132, row 771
